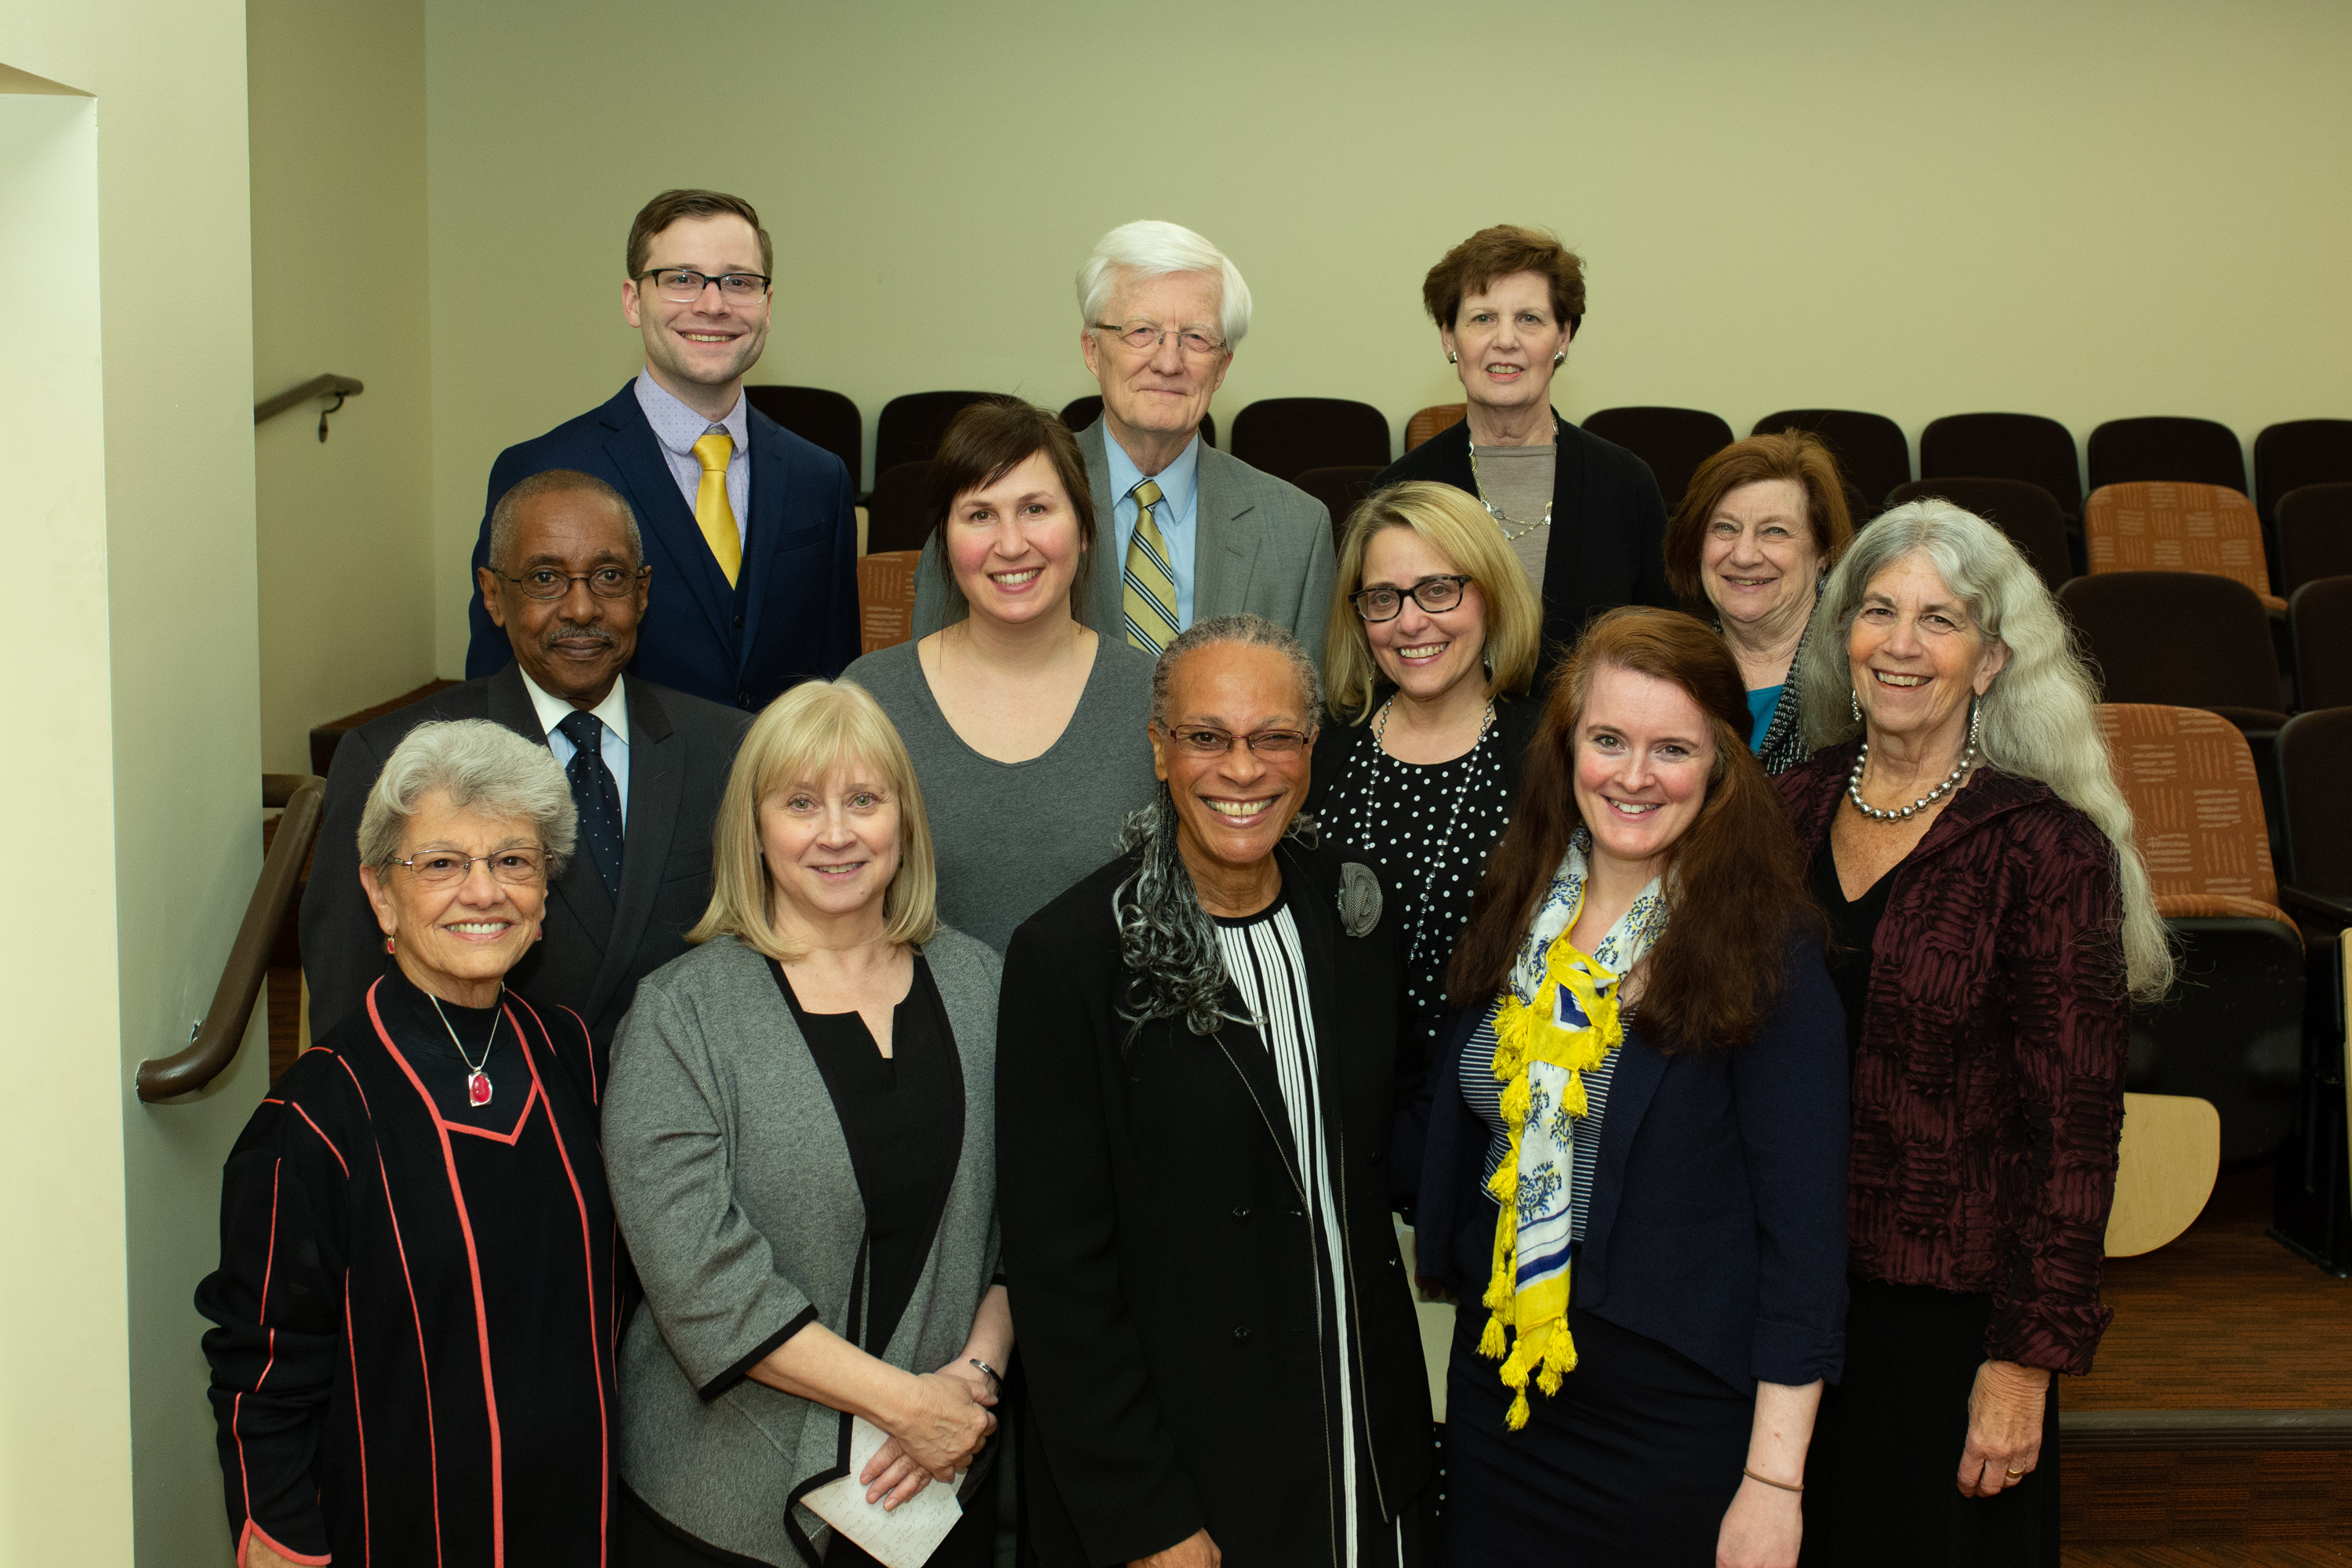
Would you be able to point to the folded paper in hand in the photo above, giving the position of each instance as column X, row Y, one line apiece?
column 904, row 1537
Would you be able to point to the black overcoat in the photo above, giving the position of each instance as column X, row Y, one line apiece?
column 1156, row 1244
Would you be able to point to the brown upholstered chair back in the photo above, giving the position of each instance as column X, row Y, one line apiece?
column 1430, row 420
column 2159, row 526
column 885, row 599
column 2196, row 809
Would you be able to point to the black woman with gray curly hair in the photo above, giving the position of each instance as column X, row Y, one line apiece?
column 1195, row 1079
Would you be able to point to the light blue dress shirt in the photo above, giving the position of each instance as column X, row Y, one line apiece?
column 678, row 428
column 1180, row 495
column 614, row 711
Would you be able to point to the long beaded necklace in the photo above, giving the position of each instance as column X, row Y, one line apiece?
column 1496, row 513
column 1951, row 780
column 477, row 1082
column 1452, row 819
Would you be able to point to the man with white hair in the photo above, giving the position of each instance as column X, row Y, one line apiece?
column 1197, row 533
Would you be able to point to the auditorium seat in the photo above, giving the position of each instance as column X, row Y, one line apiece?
column 2319, row 621
column 1429, row 421
column 2023, row 511
column 2288, row 457
column 1081, row 412
column 2005, row 446
column 2189, row 451
column 2314, row 534
column 2232, row 1030
column 885, row 599
column 896, row 519
column 1341, row 487
column 2181, row 638
column 815, row 414
column 2151, row 526
column 1870, row 450
column 909, row 428
column 2315, row 775
column 1673, row 441
column 1285, row 436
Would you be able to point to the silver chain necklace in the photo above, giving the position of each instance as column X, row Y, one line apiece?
column 1496, row 513
column 1452, row 819
column 477, row 1082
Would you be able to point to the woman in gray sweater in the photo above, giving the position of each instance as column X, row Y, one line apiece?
column 800, row 1136
column 1026, row 727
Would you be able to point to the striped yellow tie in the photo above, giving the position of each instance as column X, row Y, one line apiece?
column 1149, row 600
column 712, row 514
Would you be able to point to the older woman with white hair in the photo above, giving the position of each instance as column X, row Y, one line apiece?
column 1975, row 858
column 1196, row 1091
column 416, row 1299
column 803, row 1154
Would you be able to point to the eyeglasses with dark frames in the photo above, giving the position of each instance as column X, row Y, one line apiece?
column 684, row 285
column 546, row 582
column 1208, row 741
column 1435, row 594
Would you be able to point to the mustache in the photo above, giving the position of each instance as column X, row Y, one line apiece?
column 572, row 631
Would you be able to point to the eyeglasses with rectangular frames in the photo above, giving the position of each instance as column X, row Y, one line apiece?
column 546, row 582
column 1435, row 594
column 516, row 867
column 1208, row 741
column 684, row 285
column 1147, row 340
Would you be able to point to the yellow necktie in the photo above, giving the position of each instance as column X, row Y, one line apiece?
column 711, row 512
column 1150, row 596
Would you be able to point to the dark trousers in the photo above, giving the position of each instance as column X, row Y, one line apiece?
column 644, row 1539
column 1631, row 1463
column 1882, row 1480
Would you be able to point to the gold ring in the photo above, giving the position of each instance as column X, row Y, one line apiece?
column 2014, row 1474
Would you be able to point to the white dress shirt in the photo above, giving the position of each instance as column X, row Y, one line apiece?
column 678, row 428
column 615, row 748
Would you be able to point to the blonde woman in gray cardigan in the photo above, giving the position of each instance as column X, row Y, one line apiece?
column 800, row 1139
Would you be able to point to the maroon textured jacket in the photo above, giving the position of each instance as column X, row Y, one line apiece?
column 1989, row 1083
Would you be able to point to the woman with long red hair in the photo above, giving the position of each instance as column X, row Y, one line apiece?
column 1634, row 1167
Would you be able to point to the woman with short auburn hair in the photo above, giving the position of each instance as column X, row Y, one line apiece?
column 801, row 1137
column 1582, row 516
column 1015, row 701
column 1762, row 523
column 1634, row 1169
column 1432, row 641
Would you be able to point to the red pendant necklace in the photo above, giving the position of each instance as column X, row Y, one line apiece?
column 477, row 1082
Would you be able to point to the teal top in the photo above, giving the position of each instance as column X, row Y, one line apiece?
column 1760, row 704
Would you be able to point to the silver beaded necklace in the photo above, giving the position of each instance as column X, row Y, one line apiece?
column 1452, row 819
column 1951, row 781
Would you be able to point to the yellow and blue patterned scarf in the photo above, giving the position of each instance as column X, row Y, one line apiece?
column 1557, row 1022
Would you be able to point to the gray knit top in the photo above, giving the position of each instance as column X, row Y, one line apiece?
column 732, row 1181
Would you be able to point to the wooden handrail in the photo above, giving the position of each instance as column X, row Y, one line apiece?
column 222, row 1030
column 335, row 386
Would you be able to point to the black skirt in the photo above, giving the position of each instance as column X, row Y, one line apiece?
column 1633, row 1462
column 1881, row 1481
column 647, row 1540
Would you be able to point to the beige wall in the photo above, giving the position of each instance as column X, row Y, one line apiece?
column 339, row 251
column 2078, row 209
column 125, row 417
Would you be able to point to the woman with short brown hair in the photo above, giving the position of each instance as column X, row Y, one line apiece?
column 1016, row 702
column 1762, row 523
column 1646, row 1079
column 1584, row 517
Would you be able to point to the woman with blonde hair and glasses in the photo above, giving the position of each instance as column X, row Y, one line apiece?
column 802, row 1136
column 1433, row 638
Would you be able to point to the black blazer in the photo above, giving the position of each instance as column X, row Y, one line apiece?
column 593, row 954
column 1607, row 527
column 1156, row 1245
column 792, row 612
column 1717, row 1218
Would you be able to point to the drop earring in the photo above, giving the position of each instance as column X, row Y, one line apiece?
column 388, row 946
column 1855, row 697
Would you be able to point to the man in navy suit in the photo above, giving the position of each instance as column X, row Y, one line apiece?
column 749, row 530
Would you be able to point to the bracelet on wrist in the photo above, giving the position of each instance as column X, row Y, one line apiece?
column 1769, row 1481
column 995, row 1378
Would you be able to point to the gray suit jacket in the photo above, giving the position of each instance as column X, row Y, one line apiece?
column 595, row 949
column 735, row 1190
column 1263, row 547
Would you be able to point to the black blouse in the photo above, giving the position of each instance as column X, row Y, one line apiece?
column 902, row 1116
column 1854, row 931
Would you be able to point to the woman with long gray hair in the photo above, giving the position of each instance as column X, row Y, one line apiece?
column 1994, row 923
column 416, row 1299
column 1195, row 1083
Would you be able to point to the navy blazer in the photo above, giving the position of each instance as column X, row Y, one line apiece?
column 792, row 612
column 1717, row 1216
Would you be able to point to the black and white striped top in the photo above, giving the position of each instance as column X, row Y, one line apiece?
column 1265, row 961
column 1482, row 1092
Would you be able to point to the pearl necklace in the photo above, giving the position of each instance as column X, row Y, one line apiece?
column 1452, row 819
column 1853, row 785
column 1496, row 513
